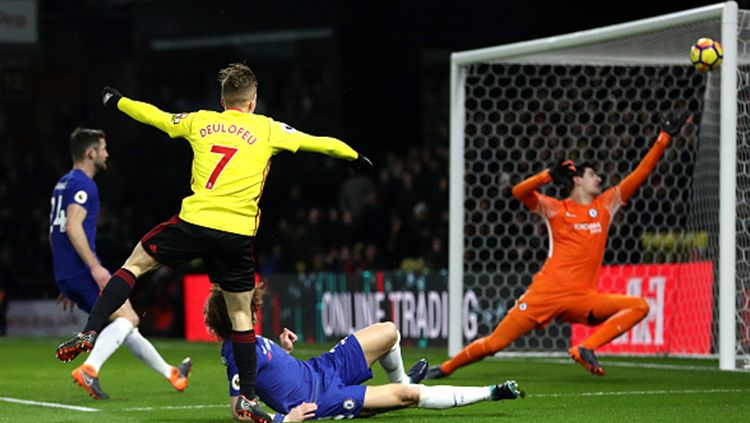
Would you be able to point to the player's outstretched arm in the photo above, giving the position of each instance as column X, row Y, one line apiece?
column 337, row 149
column 669, row 128
column 174, row 125
column 526, row 190
column 328, row 146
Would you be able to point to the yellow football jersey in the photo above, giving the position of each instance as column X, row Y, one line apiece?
column 232, row 153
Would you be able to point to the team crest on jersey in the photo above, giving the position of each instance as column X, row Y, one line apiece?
column 349, row 404
column 80, row 197
column 287, row 128
column 523, row 306
column 176, row 118
column 236, row 382
column 593, row 213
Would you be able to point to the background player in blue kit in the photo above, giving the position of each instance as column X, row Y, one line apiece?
column 78, row 272
column 329, row 386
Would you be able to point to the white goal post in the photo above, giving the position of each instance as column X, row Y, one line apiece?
column 597, row 94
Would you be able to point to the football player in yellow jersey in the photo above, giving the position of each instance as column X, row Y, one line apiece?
column 231, row 158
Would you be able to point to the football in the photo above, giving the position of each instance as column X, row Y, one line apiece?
column 706, row 55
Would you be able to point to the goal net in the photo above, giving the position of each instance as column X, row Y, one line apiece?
column 683, row 240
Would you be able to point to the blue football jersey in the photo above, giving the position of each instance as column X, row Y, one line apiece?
column 276, row 368
column 73, row 188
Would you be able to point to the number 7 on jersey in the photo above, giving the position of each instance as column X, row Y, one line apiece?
column 228, row 153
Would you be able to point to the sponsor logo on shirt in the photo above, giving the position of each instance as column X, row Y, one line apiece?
column 569, row 214
column 61, row 185
column 593, row 228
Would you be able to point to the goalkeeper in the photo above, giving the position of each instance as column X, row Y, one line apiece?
column 565, row 287
column 232, row 153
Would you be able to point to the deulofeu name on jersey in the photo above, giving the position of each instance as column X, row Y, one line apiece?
column 220, row 128
column 593, row 228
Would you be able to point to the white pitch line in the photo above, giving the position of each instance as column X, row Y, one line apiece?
column 627, row 393
column 48, row 404
column 643, row 365
column 177, row 407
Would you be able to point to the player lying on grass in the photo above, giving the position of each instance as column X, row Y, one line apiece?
column 565, row 287
column 329, row 386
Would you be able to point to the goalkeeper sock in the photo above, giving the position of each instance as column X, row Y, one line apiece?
column 509, row 329
column 393, row 364
column 439, row 397
column 112, row 297
column 476, row 351
column 615, row 326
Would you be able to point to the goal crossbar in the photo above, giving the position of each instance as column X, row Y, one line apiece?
column 727, row 13
column 579, row 38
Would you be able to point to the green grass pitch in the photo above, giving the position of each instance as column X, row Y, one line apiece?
column 634, row 390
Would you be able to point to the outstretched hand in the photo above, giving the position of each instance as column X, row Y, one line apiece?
column 110, row 97
column 563, row 172
column 304, row 411
column 361, row 164
column 100, row 274
column 672, row 125
column 287, row 339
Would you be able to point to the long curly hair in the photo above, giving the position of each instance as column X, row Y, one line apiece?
column 216, row 314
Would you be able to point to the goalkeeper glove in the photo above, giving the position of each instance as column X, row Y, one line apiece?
column 361, row 164
column 673, row 125
column 563, row 173
column 110, row 97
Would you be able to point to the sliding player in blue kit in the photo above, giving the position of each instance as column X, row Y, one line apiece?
column 330, row 385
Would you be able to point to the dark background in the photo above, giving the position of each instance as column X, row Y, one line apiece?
column 372, row 73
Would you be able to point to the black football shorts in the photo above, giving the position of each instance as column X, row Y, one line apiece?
column 228, row 257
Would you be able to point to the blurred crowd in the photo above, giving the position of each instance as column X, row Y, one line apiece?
column 317, row 215
column 393, row 218
column 396, row 218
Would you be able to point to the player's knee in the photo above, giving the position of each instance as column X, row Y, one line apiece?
column 389, row 332
column 129, row 315
column 642, row 306
column 139, row 262
column 408, row 395
column 134, row 320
